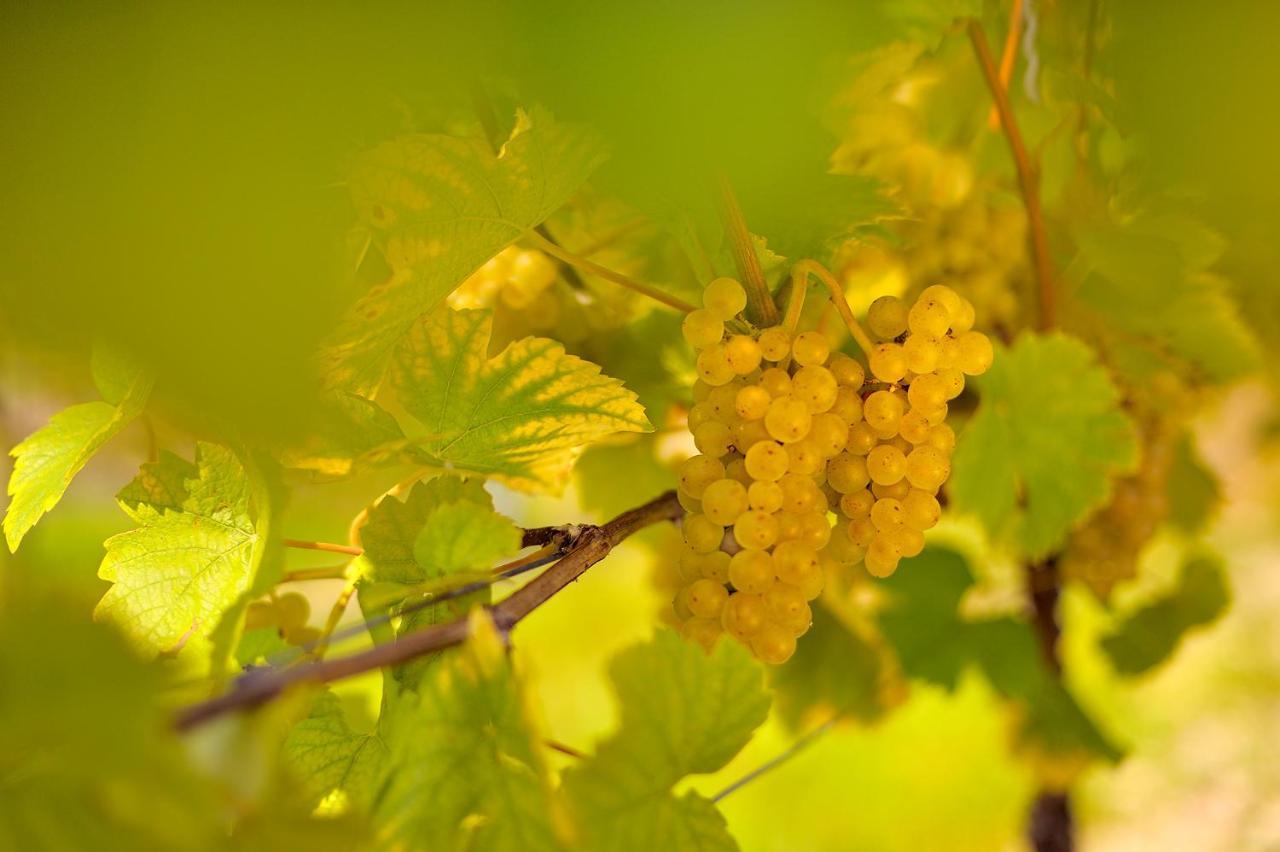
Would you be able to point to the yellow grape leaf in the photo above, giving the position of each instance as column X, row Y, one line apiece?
column 438, row 207
column 521, row 417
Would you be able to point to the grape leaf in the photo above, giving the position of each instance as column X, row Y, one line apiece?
column 438, row 207
column 1047, row 438
column 1151, row 634
column 520, row 417
column 682, row 711
column 348, row 429
column 464, row 536
column 1193, row 489
column 1148, row 278
column 835, row 669
column 327, row 755
column 465, row 768
column 86, row 757
column 175, row 576
column 48, row 459
column 159, row 485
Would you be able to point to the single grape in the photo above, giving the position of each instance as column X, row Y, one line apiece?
column 907, row 541
column 828, row 434
column 887, row 317
column 814, row 386
column 942, row 438
column 861, row 439
column 775, row 343
column 697, row 472
column 699, row 413
column 928, row 317
column 861, row 531
column 887, row 514
column 773, row 644
column 857, row 504
column 815, row 530
column 896, row 490
column 691, row 505
column 752, row 402
column 706, row 598
column 293, row 610
column 847, row 473
column 715, row 566
column 764, row 496
column 914, row 427
column 742, row 353
column 953, row 381
column 788, row 419
column 714, row 367
column 883, row 412
column 735, row 468
column 944, row 294
column 700, row 391
column 886, row 464
column 725, row 298
column 810, row 349
column 301, row 636
column 799, row 493
column 962, row 318
column 976, row 353
column 927, row 393
column 776, row 381
column 927, row 468
column 921, row 353
column 787, row 607
column 767, row 460
column 803, row 458
column 921, row 509
column 755, row 530
column 848, row 372
column 704, row 631
column 848, row 405
column 713, row 438
column 744, row 615
column 748, row 433
column 841, row 548
column 723, row 401
column 882, row 556
column 751, row 570
column 701, row 534
column 723, row 501
column 888, row 363
column 701, row 329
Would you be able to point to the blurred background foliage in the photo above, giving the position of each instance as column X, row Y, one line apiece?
column 173, row 183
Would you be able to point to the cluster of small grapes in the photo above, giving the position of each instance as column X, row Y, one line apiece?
column 515, row 278
column 288, row 614
column 805, row 463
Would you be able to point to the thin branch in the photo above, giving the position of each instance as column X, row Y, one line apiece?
column 556, row 745
column 560, row 253
column 760, row 307
column 800, row 744
column 591, row 545
column 1028, row 181
column 326, row 546
column 1008, row 58
column 800, row 281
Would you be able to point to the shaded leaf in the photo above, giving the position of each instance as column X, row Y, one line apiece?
column 522, row 416
column 160, row 485
column 327, row 755
column 1193, row 488
column 1041, row 451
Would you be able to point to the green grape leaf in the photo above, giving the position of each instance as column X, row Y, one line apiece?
column 394, row 527
column 682, row 711
column 1044, row 445
column 348, row 431
column 1193, row 489
column 159, row 486
column 47, row 460
column 465, row 767
column 439, row 207
column 834, row 670
column 521, row 417
column 325, row 754
column 1151, row 634
column 1148, row 278
column 87, row 760
column 175, row 576
column 464, row 536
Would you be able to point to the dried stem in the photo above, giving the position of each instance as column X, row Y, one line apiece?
column 1028, row 181
column 590, row 546
column 562, row 254
column 760, row 307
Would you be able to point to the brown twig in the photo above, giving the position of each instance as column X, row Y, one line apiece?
column 760, row 307
column 1028, row 181
column 326, row 546
column 1008, row 58
column 590, row 546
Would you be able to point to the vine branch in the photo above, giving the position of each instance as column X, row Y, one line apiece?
column 592, row 544
column 760, row 307
column 1028, row 181
column 562, row 254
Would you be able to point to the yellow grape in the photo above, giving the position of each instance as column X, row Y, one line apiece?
column 735, row 468
column 976, row 353
column 847, row 473
column 752, row 402
column 751, row 570
column 788, row 419
column 703, row 631
column 816, row 387
column 799, row 493
column 927, row 468
column 921, row 353
column 882, row 556
column 692, row 505
column 723, row 501
column 952, row 381
column 803, row 457
column 714, row 367
column 787, row 606
column 928, row 317
column 962, row 318
column 261, row 614
column 887, row 317
column 857, row 504
column 921, row 509
column 755, row 530
column 886, row 464
column 775, row 343
column 742, row 353
column 773, row 644
column 942, row 438
column 701, row 534
column 887, row 514
column 815, row 530
column 748, row 433
column 927, row 393
column 744, row 615
column 896, row 490
column 699, row 413
column 713, row 438
column 697, row 472
column 861, row 531
column 767, row 460
column 723, row 401
column 829, row 433
column 906, row 540
column 810, row 349
column 848, row 405
column 948, row 353
column 944, row 294
column 883, row 412
column 725, row 298
column 841, row 548
column 701, row 329
column 861, row 439
column 914, row 427
column 888, row 363
column 776, row 381
column 764, row 496
column 715, row 566
column 847, row 371
column 700, row 391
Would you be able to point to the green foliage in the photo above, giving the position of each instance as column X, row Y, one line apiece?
column 1149, row 635
column 1046, row 440
column 326, row 755
column 934, row 642
column 464, row 536
column 520, row 417
column 438, row 207
column 175, row 576
column 1194, row 491
column 681, row 712
column 47, row 461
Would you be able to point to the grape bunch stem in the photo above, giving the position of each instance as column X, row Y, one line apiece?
column 799, row 283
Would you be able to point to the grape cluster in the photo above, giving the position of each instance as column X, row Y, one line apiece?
column 517, row 279
column 288, row 614
column 806, row 462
